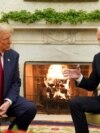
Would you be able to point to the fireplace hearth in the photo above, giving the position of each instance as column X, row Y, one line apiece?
column 45, row 85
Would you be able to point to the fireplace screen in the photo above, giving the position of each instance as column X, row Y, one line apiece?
column 45, row 84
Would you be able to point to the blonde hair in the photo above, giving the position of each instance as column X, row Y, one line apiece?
column 98, row 28
column 5, row 27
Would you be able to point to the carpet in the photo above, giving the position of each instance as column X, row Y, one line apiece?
column 54, row 127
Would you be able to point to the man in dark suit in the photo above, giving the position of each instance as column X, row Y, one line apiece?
column 91, row 104
column 12, row 104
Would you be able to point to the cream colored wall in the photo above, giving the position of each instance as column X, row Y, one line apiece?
column 10, row 5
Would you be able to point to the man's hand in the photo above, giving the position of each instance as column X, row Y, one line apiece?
column 72, row 73
column 3, row 108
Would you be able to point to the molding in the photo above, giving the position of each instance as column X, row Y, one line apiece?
column 55, row 26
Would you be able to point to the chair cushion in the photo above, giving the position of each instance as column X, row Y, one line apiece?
column 93, row 118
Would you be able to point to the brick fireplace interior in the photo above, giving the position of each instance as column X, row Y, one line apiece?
column 52, row 94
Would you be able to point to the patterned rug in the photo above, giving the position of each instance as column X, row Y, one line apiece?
column 54, row 127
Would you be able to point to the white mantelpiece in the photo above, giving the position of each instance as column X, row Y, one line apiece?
column 54, row 34
column 54, row 43
column 42, row 25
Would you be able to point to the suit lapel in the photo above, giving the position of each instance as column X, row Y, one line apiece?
column 7, row 69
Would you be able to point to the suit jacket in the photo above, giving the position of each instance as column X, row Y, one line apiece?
column 92, row 82
column 12, row 84
column 12, row 81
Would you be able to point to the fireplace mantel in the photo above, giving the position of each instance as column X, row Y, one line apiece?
column 37, row 26
column 45, row 43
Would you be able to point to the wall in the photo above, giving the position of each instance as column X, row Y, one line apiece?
column 8, row 5
column 46, row 44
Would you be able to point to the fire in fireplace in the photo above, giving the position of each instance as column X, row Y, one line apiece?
column 45, row 84
column 57, row 87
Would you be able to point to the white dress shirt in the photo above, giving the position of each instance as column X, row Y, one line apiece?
column 79, row 79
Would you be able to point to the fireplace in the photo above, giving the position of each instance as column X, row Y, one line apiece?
column 45, row 85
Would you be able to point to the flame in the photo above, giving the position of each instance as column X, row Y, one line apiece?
column 55, row 72
column 55, row 76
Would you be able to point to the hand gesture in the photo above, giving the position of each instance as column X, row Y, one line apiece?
column 72, row 73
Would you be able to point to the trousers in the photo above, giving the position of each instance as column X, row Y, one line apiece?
column 78, row 107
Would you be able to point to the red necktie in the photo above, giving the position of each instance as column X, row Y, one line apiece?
column 1, row 81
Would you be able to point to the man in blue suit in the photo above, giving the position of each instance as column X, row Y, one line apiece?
column 90, row 104
column 12, row 103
